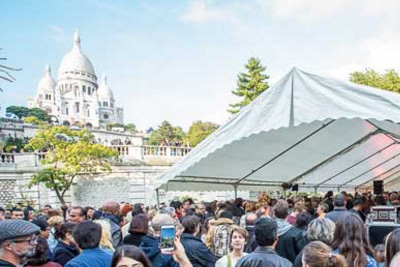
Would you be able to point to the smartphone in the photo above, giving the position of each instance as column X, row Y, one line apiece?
column 167, row 237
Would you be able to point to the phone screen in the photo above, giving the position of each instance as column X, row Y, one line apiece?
column 167, row 238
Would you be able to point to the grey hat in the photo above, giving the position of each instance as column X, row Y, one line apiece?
column 10, row 229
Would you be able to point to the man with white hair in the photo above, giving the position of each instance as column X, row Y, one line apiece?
column 17, row 242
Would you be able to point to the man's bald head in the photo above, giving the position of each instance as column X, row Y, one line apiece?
column 112, row 207
column 160, row 220
column 251, row 218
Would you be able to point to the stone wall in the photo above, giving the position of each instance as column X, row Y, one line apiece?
column 130, row 184
column 7, row 193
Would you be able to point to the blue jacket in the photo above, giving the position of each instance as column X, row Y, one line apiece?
column 150, row 246
column 63, row 253
column 336, row 213
column 94, row 257
column 263, row 257
column 197, row 252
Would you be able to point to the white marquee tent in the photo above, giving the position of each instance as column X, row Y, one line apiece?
column 318, row 132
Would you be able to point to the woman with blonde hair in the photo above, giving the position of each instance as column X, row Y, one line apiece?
column 106, row 240
column 318, row 254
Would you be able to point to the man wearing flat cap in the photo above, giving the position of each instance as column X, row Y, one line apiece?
column 17, row 242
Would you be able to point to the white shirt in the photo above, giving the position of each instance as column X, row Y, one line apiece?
column 223, row 262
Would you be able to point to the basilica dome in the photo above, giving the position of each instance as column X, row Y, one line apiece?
column 47, row 83
column 75, row 60
column 104, row 92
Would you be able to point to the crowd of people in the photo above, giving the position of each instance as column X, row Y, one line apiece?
column 298, row 231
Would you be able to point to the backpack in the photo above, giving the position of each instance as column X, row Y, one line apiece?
column 221, row 240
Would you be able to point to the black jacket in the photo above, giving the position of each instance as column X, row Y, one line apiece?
column 133, row 239
column 197, row 252
column 263, row 257
column 63, row 253
column 290, row 241
column 4, row 263
column 251, row 243
column 150, row 246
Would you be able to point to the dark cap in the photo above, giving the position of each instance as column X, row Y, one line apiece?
column 41, row 223
column 10, row 229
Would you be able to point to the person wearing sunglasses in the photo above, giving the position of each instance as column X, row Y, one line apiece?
column 18, row 240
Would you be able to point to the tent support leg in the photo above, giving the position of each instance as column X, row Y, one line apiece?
column 235, row 188
column 158, row 198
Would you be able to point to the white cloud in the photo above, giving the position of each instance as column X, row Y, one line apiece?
column 375, row 8
column 58, row 34
column 383, row 50
column 201, row 11
column 305, row 11
column 379, row 52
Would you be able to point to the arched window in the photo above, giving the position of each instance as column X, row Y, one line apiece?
column 84, row 88
column 66, row 111
column 77, row 107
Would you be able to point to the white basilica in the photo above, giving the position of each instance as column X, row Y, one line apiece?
column 77, row 98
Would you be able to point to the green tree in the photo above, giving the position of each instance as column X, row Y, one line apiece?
column 33, row 120
column 69, row 154
column 199, row 131
column 250, row 84
column 390, row 80
column 20, row 112
column 166, row 133
column 130, row 127
column 40, row 114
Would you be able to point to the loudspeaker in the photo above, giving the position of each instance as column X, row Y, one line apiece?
column 295, row 188
column 378, row 187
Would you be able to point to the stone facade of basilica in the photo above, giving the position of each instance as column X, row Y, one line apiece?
column 77, row 98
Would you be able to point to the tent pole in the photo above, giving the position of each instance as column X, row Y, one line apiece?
column 377, row 166
column 377, row 176
column 158, row 199
column 324, row 125
column 235, row 187
column 356, row 164
column 338, row 154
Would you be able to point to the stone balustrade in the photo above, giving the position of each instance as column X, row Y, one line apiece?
column 152, row 155
column 7, row 158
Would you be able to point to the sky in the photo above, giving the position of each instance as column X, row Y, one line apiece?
column 179, row 60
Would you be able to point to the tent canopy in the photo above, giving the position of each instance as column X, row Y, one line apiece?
column 318, row 132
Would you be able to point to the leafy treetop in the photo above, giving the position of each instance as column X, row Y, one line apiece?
column 199, row 131
column 250, row 84
column 166, row 134
column 69, row 153
column 22, row 112
column 390, row 80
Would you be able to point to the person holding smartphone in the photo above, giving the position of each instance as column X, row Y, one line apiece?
column 153, row 246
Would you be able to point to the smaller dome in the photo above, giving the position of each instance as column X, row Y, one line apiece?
column 104, row 92
column 47, row 83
